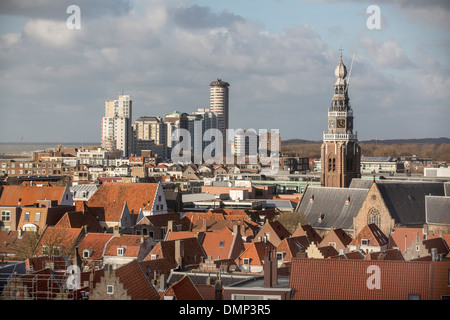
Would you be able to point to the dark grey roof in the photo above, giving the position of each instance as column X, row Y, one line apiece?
column 437, row 210
column 332, row 204
column 377, row 159
column 406, row 200
column 361, row 183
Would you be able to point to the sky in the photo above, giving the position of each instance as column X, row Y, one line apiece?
column 279, row 57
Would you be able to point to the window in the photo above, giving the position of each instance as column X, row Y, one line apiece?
column 86, row 254
column 374, row 217
column 246, row 260
column 110, row 289
column 37, row 217
column 365, row 242
column 413, row 296
column 26, row 217
column 6, row 215
column 120, row 252
column 221, row 244
column 280, row 255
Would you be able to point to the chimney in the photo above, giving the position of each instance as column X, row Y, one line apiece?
column 117, row 232
column 162, row 283
column 270, row 269
column 170, row 226
column 91, row 280
column 434, row 255
column 179, row 253
column 218, row 289
column 236, row 229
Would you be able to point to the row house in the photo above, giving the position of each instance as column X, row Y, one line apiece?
column 31, row 168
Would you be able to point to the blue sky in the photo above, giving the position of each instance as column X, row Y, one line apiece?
column 278, row 55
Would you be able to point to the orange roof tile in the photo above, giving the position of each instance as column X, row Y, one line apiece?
column 255, row 252
column 402, row 238
column 65, row 238
column 183, row 289
column 372, row 233
column 95, row 242
column 113, row 196
column 134, row 279
column 335, row 279
column 27, row 195
column 131, row 244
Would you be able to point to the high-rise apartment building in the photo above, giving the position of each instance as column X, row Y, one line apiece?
column 340, row 151
column 175, row 120
column 116, row 125
column 219, row 98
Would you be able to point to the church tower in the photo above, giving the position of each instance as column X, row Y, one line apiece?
column 340, row 151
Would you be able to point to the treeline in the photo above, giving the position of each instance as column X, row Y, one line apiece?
column 437, row 152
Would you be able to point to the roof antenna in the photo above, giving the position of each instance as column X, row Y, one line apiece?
column 350, row 72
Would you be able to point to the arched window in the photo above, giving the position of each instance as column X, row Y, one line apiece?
column 374, row 217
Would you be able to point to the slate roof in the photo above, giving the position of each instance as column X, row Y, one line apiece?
column 437, row 210
column 326, row 207
column 406, row 200
column 361, row 183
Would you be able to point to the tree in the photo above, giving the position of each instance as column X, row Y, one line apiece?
column 291, row 220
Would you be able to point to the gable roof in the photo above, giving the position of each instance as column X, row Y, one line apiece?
column 326, row 207
column 131, row 244
column 112, row 197
column 255, row 252
column 309, row 231
column 78, row 219
column 339, row 234
column 219, row 245
column 406, row 200
column 372, row 233
column 29, row 195
column 192, row 251
column 65, row 238
column 402, row 237
column 183, row 289
column 136, row 281
column 95, row 242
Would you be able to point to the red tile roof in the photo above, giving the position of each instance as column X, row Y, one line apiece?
column 183, row 289
column 331, row 279
column 95, row 242
column 65, row 238
column 112, row 197
column 255, row 252
column 372, row 233
column 136, row 281
column 131, row 244
column 26, row 195
column 402, row 238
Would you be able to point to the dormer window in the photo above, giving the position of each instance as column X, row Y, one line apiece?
column 321, row 217
column 120, row 252
column 221, row 244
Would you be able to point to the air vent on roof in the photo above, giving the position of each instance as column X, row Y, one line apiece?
column 321, row 217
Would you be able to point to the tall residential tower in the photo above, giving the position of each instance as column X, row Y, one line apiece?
column 117, row 132
column 219, row 104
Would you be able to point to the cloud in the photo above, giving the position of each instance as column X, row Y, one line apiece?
column 56, row 10
column 165, row 54
column 387, row 54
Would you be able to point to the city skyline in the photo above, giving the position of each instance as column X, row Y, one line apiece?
column 278, row 60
